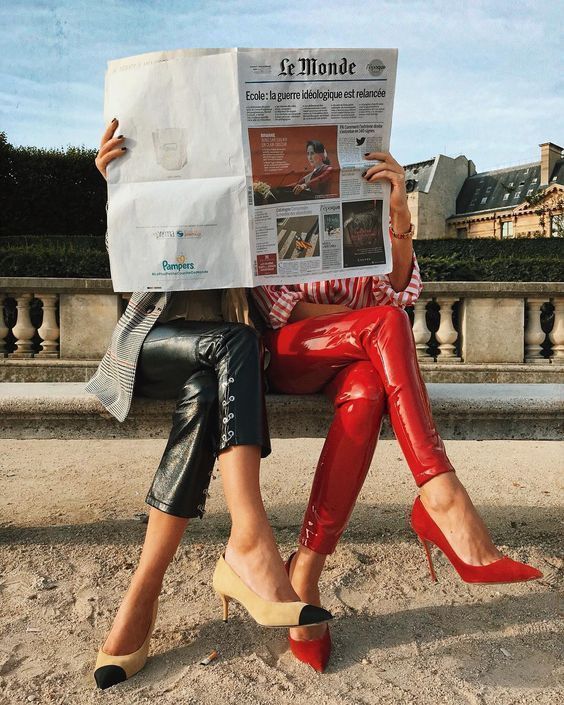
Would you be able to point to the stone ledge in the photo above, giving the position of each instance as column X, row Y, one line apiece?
column 462, row 288
column 60, row 370
column 462, row 411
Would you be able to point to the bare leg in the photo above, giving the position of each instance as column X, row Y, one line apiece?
column 251, row 550
column 305, row 571
column 132, row 620
column 450, row 506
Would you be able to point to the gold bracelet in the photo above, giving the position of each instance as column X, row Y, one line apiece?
column 403, row 236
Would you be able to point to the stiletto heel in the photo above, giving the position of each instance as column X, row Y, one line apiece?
column 110, row 669
column 429, row 559
column 504, row 570
column 266, row 613
column 314, row 652
column 225, row 603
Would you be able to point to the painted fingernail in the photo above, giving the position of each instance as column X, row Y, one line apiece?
column 120, row 137
column 114, row 119
column 123, row 149
column 366, row 154
column 364, row 173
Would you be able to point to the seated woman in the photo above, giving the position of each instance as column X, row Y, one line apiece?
column 352, row 339
column 317, row 181
column 189, row 347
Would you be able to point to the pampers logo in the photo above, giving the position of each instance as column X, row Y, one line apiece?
column 179, row 265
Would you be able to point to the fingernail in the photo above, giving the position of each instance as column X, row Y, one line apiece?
column 114, row 119
column 120, row 137
column 364, row 173
column 123, row 149
column 366, row 154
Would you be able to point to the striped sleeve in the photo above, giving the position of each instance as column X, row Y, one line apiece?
column 276, row 303
column 384, row 293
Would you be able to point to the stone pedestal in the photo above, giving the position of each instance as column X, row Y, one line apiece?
column 493, row 330
column 87, row 322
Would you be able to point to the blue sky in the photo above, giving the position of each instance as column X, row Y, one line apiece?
column 480, row 78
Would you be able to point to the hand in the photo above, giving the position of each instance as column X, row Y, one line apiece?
column 298, row 188
column 391, row 170
column 110, row 148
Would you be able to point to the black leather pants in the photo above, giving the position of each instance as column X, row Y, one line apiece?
column 214, row 371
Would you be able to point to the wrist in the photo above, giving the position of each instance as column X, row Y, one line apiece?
column 400, row 220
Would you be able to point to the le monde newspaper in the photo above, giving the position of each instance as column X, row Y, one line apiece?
column 244, row 166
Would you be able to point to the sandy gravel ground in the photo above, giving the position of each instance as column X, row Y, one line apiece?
column 69, row 541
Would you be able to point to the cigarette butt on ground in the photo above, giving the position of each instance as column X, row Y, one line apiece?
column 209, row 658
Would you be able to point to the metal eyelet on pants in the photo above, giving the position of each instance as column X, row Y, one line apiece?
column 214, row 371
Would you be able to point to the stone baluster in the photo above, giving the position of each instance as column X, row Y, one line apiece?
column 557, row 332
column 49, row 331
column 447, row 334
column 534, row 334
column 3, row 327
column 421, row 333
column 23, row 330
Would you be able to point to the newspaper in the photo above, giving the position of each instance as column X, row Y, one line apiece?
column 244, row 167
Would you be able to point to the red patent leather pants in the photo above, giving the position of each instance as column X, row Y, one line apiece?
column 366, row 362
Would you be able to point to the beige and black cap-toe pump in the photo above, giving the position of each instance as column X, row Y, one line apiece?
column 111, row 670
column 229, row 586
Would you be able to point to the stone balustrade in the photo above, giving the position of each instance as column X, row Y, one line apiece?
column 490, row 322
column 456, row 326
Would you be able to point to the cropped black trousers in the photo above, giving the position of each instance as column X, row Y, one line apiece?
column 214, row 371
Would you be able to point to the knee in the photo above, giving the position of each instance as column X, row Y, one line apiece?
column 200, row 389
column 361, row 383
column 394, row 315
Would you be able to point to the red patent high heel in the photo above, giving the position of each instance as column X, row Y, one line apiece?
column 314, row 652
column 504, row 570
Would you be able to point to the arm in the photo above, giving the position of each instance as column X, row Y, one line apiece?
column 323, row 176
column 110, row 148
column 402, row 252
column 384, row 293
column 400, row 217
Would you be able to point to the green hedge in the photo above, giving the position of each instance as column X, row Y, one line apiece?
column 50, row 191
column 488, row 259
column 440, row 260
column 54, row 257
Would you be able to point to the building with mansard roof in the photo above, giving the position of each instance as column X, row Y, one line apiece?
column 448, row 198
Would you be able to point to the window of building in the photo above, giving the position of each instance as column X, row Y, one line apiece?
column 530, row 191
column 505, row 196
column 517, row 194
column 507, row 228
column 534, row 181
column 557, row 225
column 483, row 201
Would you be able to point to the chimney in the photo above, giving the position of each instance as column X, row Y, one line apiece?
column 550, row 154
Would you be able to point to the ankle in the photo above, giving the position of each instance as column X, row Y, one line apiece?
column 306, row 569
column 443, row 493
column 242, row 545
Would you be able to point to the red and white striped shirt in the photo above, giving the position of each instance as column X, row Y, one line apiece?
column 277, row 302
